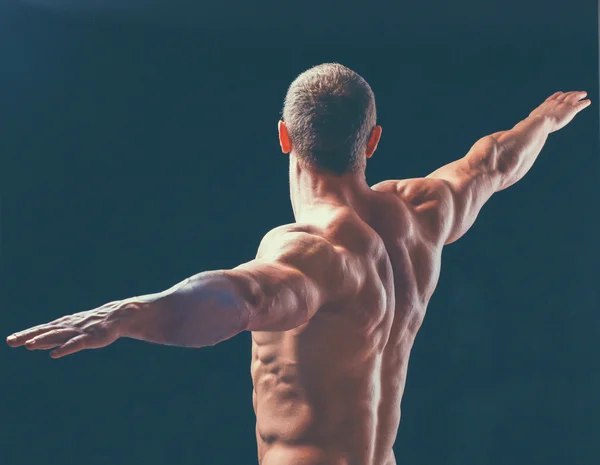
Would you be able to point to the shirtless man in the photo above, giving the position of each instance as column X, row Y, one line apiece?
column 334, row 300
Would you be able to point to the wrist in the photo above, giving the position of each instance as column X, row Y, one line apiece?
column 546, row 122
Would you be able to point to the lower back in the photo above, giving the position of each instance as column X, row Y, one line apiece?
column 319, row 394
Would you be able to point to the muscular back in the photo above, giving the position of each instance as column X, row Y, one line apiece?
column 329, row 390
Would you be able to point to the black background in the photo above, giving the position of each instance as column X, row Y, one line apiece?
column 139, row 147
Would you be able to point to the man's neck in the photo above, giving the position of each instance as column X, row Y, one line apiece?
column 310, row 188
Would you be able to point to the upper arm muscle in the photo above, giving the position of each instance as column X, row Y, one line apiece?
column 294, row 274
column 467, row 184
column 449, row 199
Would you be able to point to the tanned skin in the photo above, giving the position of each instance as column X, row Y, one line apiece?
column 334, row 301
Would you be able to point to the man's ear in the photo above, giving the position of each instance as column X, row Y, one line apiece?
column 373, row 141
column 284, row 138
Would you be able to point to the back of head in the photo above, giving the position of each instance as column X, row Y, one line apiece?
column 329, row 113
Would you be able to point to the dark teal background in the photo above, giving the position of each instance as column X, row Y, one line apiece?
column 138, row 152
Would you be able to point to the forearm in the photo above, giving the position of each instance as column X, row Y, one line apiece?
column 519, row 147
column 201, row 311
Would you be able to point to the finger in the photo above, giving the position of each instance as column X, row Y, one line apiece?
column 71, row 346
column 554, row 96
column 575, row 97
column 563, row 96
column 53, row 338
column 18, row 339
column 583, row 104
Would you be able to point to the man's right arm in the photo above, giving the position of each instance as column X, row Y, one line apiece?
column 450, row 198
column 494, row 163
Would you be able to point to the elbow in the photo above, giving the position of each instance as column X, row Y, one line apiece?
column 504, row 165
column 209, row 310
column 251, row 297
column 507, row 170
column 506, row 162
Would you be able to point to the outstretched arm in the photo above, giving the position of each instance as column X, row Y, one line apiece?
column 500, row 160
column 294, row 274
column 450, row 198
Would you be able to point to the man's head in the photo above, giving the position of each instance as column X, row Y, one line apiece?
column 329, row 120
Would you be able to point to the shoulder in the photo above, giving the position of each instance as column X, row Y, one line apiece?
column 292, row 239
column 304, row 249
column 416, row 191
column 428, row 202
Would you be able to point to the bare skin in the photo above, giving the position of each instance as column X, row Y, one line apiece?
column 334, row 301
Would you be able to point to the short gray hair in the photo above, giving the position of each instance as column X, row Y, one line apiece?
column 329, row 112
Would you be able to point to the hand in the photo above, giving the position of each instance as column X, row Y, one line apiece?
column 92, row 329
column 560, row 108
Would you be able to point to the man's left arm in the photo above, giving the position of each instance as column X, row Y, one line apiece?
column 294, row 274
